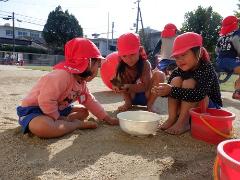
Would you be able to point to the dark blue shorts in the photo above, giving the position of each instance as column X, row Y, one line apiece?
column 164, row 63
column 26, row 114
column 227, row 64
column 140, row 99
column 212, row 104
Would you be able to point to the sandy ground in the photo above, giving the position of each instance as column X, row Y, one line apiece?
column 104, row 153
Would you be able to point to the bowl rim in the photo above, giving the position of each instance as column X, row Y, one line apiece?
column 138, row 121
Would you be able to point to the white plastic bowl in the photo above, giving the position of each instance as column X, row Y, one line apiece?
column 139, row 123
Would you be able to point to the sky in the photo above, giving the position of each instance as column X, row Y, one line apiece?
column 96, row 16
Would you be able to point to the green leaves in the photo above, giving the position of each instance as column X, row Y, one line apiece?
column 205, row 22
column 60, row 28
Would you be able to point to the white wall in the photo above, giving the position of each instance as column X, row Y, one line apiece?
column 28, row 31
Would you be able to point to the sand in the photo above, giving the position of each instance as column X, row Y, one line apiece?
column 104, row 153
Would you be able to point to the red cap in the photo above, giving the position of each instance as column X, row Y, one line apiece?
column 78, row 51
column 186, row 41
column 229, row 24
column 169, row 31
column 128, row 43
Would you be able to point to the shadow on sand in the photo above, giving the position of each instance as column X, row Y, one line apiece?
column 89, row 154
column 107, row 97
column 231, row 103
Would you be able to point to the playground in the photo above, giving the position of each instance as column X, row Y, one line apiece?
column 104, row 153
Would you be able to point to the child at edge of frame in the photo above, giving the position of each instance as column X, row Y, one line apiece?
column 192, row 81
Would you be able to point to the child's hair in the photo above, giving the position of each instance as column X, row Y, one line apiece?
column 122, row 67
column 196, row 51
column 88, row 72
column 201, row 53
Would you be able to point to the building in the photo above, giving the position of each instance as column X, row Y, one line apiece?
column 152, row 37
column 102, row 44
column 25, row 37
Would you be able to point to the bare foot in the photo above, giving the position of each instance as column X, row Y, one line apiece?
column 124, row 107
column 236, row 94
column 167, row 124
column 178, row 128
column 87, row 125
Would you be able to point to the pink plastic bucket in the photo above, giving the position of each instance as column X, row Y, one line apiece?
column 227, row 164
column 213, row 126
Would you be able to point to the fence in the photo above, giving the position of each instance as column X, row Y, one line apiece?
column 7, row 57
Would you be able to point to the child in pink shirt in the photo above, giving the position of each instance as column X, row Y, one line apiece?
column 47, row 111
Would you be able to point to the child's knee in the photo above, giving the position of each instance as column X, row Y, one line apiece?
column 158, row 76
column 237, row 84
column 237, row 70
column 41, row 126
column 84, row 112
column 177, row 82
column 189, row 83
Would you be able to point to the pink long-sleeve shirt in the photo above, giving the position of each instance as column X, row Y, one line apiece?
column 57, row 90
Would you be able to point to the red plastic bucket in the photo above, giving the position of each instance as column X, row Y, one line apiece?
column 227, row 164
column 213, row 126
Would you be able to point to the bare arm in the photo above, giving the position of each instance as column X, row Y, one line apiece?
column 236, row 43
column 145, row 78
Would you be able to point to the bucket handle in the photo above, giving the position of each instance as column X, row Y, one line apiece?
column 215, row 169
column 215, row 130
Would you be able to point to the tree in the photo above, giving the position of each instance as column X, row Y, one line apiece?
column 61, row 27
column 206, row 22
column 237, row 13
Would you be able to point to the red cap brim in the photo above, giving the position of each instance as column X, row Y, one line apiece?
column 72, row 68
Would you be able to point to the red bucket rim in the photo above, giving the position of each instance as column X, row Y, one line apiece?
column 225, row 156
column 208, row 115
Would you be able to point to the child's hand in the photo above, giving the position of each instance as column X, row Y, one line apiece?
column 116, row 89
column 111, row 121
column 126, row 87
column 123, row 89
column 163, row 89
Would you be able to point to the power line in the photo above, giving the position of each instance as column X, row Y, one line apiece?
column 74, row 6
column 25, row 20
column 5, row 11
column 31, row 22
column 24, row 15
column 4, row 14
column 31, row 17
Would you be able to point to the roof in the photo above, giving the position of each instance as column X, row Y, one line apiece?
column 18, row 28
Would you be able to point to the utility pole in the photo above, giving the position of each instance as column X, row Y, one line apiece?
column 138, row 9
column 139, row 13
column 139, row 18
column 13, row 28
column 112, row 32
column 13, row 20
column 108, row 35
